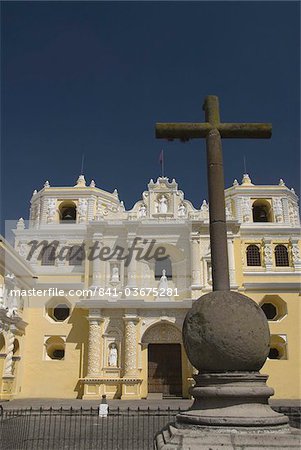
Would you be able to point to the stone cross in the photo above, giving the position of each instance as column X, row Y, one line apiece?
column 213, row 130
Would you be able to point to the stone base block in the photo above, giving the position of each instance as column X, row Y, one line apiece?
column 174, row 438
column 131, row 389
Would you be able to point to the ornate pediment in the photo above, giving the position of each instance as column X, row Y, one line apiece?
column 163, row 200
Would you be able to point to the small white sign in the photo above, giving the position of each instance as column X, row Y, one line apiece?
column 103, row 410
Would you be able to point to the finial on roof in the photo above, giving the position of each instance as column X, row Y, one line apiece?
column 35, row 192
column 20, row 224
column 293, row 190
column 81, row 182
column 235, row 182
column 204, row 206
column 47, row 184
column 115, row 192
column 281, row 182
column 92, row 184
column 246, row 180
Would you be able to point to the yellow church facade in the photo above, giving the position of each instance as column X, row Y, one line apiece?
column 93, row 297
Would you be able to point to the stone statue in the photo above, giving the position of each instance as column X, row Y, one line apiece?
column 182, row 210
column 163, row 283
column 115, row 274
column 142, row 211
column 163, row 206
column 113, row 356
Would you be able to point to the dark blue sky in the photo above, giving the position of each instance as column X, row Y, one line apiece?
column 94, row 77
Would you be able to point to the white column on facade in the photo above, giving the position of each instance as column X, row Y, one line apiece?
column 132, row 268
column 97, row 266
column 94, row 346
column 8, row 368
column 295, row 253
column 195, row 261
column 130, row 347
column 267, row 254
column 231, row 261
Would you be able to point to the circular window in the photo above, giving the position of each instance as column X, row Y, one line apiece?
column 55, row 347
column 61, row 312
column 270, row 310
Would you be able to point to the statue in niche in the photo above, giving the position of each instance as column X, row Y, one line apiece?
column 115, row 274
column 113, row 355
column 163, row 206
column 182, row 210
column 142, row 211
column 163, row 283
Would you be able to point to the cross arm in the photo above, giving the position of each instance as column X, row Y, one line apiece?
column 183, row 131
column 245, row 130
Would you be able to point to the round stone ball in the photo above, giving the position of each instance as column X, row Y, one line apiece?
column 226, row 331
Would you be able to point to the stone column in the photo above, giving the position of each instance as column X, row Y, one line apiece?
column 130, row 348
column 195, row 262
column 231, row 261
column 8, row 368
column 94, row 348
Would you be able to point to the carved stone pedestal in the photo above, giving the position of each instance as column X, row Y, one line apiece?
column 174, row 438
column 230, row 411
column 226, row 338
column 233, row 399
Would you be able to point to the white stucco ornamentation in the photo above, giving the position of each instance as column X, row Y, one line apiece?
column 162, row 333
column 296, row 254
column 51, row 210
column 294, row 213
column 278, row 209
column 20, row 224
column 82, row 209
column 246, row 209
column 268, row 255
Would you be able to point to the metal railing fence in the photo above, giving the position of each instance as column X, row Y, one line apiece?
column 81, row 428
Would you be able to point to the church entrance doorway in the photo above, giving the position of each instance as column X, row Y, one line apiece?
column 165, row 369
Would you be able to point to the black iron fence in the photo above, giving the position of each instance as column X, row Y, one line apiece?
column 121, row 429
column 82, row 428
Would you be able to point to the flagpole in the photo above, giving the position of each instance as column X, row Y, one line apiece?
column 162, row 163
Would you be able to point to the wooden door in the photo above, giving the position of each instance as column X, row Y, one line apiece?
column 165, row 369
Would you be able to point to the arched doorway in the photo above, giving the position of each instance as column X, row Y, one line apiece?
column 164, row 360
